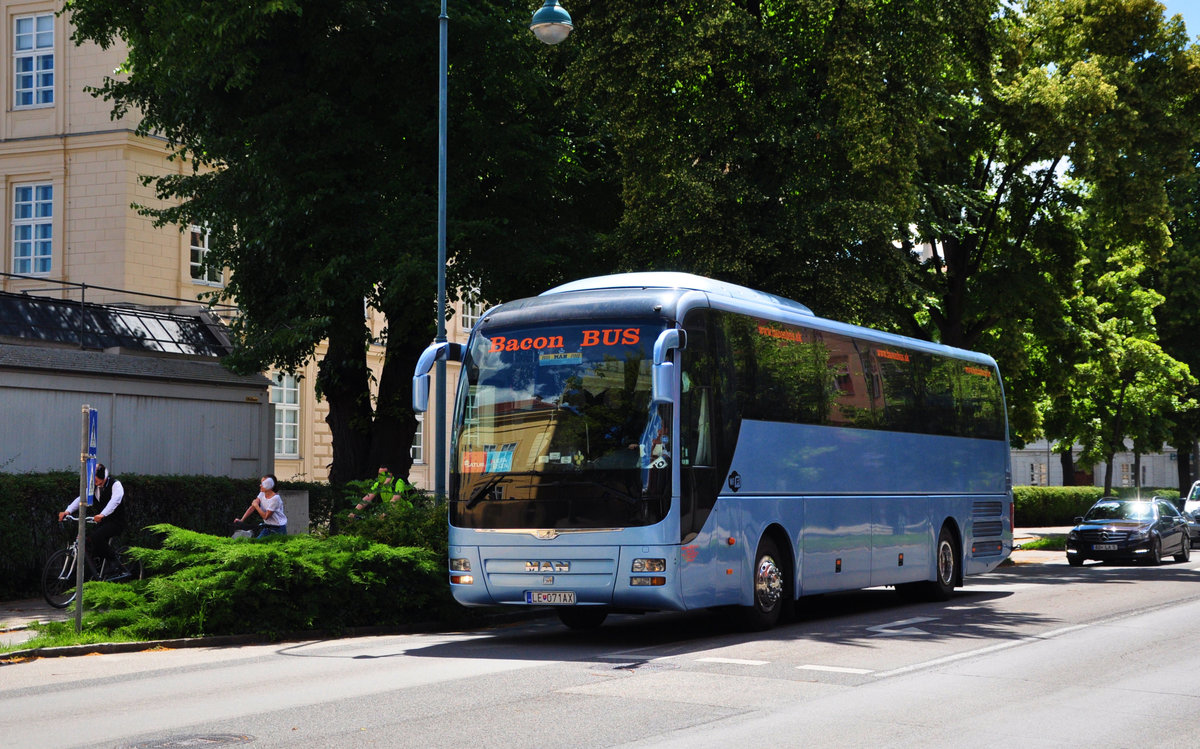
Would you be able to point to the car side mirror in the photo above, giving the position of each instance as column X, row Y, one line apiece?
column 1078, row 519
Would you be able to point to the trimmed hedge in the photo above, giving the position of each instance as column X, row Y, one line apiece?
column 1039, row 506
column 30, row 503
column 200, row 584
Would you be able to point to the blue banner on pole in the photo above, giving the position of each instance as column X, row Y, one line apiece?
column 93, row 430
column 91, row 481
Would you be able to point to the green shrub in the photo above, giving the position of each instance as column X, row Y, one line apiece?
column 30, row 503
column 199, row 584
column 1038, row 506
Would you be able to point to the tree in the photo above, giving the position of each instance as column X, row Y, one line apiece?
column 310, row 126
column 1127, row 385
column 1085, row 106
column 771, row 144
column 1178, row 278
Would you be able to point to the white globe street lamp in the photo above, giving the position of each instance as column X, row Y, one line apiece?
column 551, row 24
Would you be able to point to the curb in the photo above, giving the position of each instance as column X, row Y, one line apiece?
column 109, row 648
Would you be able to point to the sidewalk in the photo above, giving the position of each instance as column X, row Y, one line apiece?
column 16, row 616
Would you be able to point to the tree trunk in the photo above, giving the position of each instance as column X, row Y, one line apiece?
column 1108, row 471
column 343, row 380
column 1183, row 467
column 1067, row 460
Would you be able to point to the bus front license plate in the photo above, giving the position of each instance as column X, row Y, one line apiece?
column 550, row 597
column 1104, row 547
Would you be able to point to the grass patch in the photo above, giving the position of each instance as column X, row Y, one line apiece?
column 1055, row 542
column 62, row 634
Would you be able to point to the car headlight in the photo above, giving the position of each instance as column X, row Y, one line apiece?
column 1138, row 535
column 1073, row 536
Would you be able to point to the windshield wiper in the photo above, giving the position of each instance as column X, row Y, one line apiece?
column 487, row 487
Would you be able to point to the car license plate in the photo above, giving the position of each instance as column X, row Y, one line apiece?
column 550, row 597
column 1104, row 547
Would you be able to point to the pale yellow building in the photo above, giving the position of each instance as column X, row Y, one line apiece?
column 69, row 177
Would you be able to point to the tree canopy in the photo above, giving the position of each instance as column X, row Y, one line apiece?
column 311, row 129
column 1002, row 176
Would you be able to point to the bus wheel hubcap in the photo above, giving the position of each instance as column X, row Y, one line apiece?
column 768, row 584
column 946, row 563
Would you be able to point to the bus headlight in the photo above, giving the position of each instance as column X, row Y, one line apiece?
column 460, row 565
column 649, row 565
column 462, row 580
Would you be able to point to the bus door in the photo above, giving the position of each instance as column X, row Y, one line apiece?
column 710, row 568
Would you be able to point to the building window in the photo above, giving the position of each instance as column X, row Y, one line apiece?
column 199, row 256
column 33, row 228
column 285, row 394
column 33, row 61
column 1127, row 474
column 471, row 312
column 1037, row 474
column 417, row 451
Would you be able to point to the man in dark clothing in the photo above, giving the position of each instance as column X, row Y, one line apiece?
column 110, row 521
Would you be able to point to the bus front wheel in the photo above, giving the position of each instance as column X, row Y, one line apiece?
column 770, row 586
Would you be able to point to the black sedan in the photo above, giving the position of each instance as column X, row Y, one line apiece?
column 1130, row 530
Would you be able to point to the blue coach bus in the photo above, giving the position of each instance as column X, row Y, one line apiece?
column 661, row 441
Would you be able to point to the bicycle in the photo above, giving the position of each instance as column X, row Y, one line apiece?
column 58, row 576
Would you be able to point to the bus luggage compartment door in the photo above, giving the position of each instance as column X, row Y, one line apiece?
column 574, row 575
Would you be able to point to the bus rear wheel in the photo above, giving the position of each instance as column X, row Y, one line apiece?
column 582, row 617
column 770, row 588
column 946, row 572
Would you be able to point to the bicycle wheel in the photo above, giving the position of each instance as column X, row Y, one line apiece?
column 133, row 568
column 58, row 579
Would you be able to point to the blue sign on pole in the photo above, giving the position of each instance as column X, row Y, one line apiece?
column 93, row 430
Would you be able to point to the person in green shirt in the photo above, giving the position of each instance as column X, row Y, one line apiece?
column 385, row 487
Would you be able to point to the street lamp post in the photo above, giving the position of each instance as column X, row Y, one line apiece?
column 551, row 24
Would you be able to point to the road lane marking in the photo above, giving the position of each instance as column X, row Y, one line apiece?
column 733, row 661
column 836, row 669
column 891, row 628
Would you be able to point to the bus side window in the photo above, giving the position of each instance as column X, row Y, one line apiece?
column 702, row 456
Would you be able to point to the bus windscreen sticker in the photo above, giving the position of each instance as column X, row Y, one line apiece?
column 556, row 360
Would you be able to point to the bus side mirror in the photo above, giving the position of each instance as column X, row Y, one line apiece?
column 449, row 352
column 662, row 375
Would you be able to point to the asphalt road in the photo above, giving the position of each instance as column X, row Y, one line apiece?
column 1039, row 655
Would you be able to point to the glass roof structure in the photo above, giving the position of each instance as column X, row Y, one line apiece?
column 98, row 326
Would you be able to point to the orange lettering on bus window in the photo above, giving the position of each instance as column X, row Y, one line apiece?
column 631, row 336
column 893, row 355
column 591, row 337
column 497, row 344
column 611, row 340
column 978, row 372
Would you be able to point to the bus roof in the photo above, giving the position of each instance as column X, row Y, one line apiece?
column 675, row 280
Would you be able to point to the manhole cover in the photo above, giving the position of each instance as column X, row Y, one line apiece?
column 211, row 739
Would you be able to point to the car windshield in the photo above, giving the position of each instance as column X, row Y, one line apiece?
column 1119, row 510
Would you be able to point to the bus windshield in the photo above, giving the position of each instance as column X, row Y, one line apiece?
column 554, row 429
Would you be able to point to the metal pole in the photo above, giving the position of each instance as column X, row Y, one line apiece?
column 439, row 462
column 81, row 554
